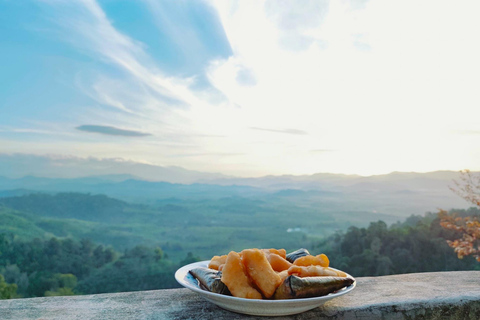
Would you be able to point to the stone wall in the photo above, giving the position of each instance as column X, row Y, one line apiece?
column 437, row 295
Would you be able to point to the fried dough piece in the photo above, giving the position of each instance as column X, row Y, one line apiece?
column 277, row 262
column 320, row 260
column 217, row 261
column 338, row 272
column 314, row 271
column 283, row 275
column 236, row 279
column 260, row 271
column 281, row 252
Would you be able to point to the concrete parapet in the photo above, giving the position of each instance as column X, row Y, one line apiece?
column 435, row 295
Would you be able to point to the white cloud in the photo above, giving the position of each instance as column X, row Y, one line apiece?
column 381, row 84
column 379, row 81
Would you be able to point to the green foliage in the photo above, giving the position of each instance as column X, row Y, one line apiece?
column 65, row 283
column 417, row 245
column 140, row 268
column 18, row 223
column 69, row 205
column 60, row 292
column 154, row 241
column 65, row 267
column 204, row 226
column 52, row 265
column 7, row 291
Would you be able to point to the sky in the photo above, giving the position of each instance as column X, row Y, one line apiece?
column 245, row 88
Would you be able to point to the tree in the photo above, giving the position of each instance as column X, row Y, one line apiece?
column 7, row 291
column 469, row 227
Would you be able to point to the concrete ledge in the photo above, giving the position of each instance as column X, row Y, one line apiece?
column 439, row 295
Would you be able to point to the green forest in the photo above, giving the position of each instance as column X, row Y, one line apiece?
column 49, row 267
column 179, row 226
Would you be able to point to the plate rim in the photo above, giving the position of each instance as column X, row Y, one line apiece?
column 184, row 271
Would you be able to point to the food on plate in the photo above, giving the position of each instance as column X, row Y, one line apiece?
column 283, row 275
column 281, row 252
column 217, row 261
column 314, row 271
column 320, row 260
column 271, row 274
column 296, row 287
column 260, row 271
column 278, row 263
column 236, row 279
column 292, row 256
column 210, row 280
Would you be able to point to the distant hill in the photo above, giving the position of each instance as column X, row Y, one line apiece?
column 20, row 165
column 398, row 194
column 69, row 206
column 130, row 189
column 204, row 226
column 413, row 180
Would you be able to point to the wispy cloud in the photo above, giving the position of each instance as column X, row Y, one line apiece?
column 319, row 71
column 90, row 23
column 37, row 128
column 218, row 154
column 289, row 131
column 27, row 130
column 138, row 92
column 112, row 131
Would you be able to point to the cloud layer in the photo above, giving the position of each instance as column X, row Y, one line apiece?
column 382, row 86
column 111, row 131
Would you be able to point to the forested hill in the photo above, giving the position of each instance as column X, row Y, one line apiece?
column 416, row 245
column 65, row 266
column 203, row 226
column 69, row 206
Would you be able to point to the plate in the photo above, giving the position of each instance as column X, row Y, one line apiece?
column 253, row 306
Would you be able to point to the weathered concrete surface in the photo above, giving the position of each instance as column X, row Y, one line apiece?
column 440, row 295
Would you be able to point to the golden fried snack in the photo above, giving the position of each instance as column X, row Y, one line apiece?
column 283, row 275
column 236, row 279
column 277, row 262
column 217, row 261
column 260, row 271
column 281, row 252
column 312, row 271
column 339, row 273
column 320, row 260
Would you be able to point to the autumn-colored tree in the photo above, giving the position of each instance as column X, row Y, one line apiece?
column 468, row 187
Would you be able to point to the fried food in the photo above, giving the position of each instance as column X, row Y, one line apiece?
column 277, row 262
column 236, row 279
column 320, row 260
column 271, row 274
column 217, row 261
column 260, row 271
column 283, row 275
column 281, row 252
column 314, row 271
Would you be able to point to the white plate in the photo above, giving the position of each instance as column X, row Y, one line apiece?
column 253, row 306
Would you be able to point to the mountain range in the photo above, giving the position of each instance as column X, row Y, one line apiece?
column 396, row 193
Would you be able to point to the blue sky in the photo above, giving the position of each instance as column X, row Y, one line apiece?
column 42, row 62
column 245, row 88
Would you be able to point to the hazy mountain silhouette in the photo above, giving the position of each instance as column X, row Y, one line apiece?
column 21, row 165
